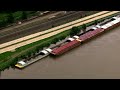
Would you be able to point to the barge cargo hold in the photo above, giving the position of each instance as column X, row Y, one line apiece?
column 88, row 35
column 65, row 47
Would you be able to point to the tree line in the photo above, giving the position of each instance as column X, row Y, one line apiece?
column 11, row 19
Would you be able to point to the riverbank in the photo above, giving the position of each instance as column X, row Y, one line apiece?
column 13, row 58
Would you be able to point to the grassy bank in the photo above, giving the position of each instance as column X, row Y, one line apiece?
column 8, row 59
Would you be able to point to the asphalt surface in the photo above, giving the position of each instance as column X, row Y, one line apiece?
column 58, row 20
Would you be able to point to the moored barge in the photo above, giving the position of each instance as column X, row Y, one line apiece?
column 66, row 47
column 95, row 31
column 25, row 62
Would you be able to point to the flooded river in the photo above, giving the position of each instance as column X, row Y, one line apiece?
column 98, row 58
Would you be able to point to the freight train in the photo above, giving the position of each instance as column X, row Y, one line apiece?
column 94, row 31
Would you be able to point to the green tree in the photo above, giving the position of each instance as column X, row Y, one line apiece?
column 24, row 15
column 37, row 49
column 41, row 46
column 22, row 56
column 47, row 44
column 84, row 27
column 3, row 23
column 29, row 54
column 10, row 18
column 74, row 31
column 63, row 37
column 33, row 52
column 96, row 22
column 55, row 40
column 14, row 61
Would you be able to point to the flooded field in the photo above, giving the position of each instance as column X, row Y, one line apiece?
column 96, row 59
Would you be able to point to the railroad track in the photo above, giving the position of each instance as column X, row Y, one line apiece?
column 36, row 37
column 49, row 30
column 40, row 25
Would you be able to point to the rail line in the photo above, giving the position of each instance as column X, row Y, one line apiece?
column 9, row 48
column 49, row 30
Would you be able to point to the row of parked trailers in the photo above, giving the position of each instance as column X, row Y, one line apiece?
column 77, row 40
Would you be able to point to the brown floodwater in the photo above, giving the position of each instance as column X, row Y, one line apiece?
column 97, row 59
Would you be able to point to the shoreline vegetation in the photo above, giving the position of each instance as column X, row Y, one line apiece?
column 9, row 59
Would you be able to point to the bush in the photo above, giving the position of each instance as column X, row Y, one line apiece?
column 95, row 22
column 24, row 15
column 55, row 40
column 3, row 23
column 74, row 31
column 48, row 44
column 10, row 18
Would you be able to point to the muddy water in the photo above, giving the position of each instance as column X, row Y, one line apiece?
column 99, row 58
